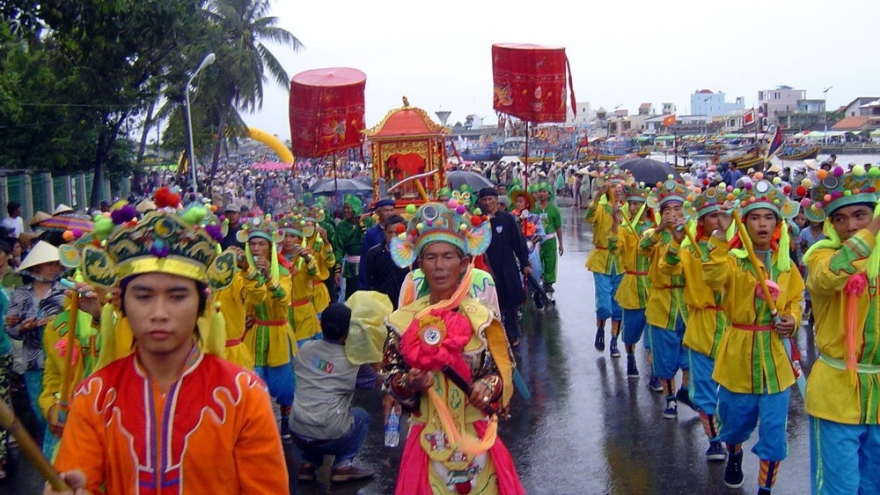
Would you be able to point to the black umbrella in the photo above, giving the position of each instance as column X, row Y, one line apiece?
column 342, row 186
column 649, row 171
column 476, row 181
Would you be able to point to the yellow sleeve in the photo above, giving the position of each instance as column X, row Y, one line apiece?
column 830, row 269
column 251, row 292
column 717, row 271
column 53, row 368
column 795, row 296
column 669, row 262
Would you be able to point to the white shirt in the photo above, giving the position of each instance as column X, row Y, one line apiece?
column 16, row 225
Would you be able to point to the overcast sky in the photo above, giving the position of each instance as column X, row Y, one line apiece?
column 438, row 53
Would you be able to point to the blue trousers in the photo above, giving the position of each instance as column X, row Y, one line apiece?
column 703, row 390
column 844, row 459
column 669, row 355
column 345, row 448
column 606, row 288
column 633, row 326
column 280, row 380
column 738, row 414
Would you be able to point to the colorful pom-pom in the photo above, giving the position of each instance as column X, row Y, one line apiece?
column 838, row 171
column 858, row 170
column 460, row 209
column 67, row 236
column 452, row 203
column 801, row 191
column 400, row 228
column 827, row 198
column 411, row 209
column 805, row 203
column 476, row 221
column 874, row 172
column 759, row 175
column 821, row 174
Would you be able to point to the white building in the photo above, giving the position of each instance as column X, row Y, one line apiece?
column 705, row 102
column 584, row 115
column 782, row 100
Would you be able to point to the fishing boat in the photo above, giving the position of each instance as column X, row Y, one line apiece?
column 800, row 153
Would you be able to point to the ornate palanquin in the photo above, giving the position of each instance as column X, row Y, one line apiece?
column 407, row 143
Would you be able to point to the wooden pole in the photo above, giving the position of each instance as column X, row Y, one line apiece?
column 30, row 449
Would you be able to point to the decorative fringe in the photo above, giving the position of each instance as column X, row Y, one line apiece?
column 832, row 240
column 212, row 330
column 109, row 336
column 874, row 259
column 469, row 446
column 783, row 260
column 854, row 288
column 408, row 290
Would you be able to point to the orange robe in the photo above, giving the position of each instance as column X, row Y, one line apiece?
column 212, row 432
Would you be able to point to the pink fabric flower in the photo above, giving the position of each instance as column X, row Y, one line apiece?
column 436, row 341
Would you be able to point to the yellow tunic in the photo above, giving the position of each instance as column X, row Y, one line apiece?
column 245, row 292
column 324, row 260
column 706, row 320
column 750, row 360
column 601, row 260
column 635, row 286
column 302, row 315
column 665, row 300
column 272, row 339
column 833, row 393
column 85, row 356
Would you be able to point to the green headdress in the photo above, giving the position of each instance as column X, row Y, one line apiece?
column 356, row 204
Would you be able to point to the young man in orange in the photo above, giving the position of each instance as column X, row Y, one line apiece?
column 172, row 417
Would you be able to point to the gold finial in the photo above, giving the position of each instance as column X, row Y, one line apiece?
column 405, row 101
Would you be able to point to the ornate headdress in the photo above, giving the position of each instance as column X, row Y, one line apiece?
column 636, row 192
column 464, row 195
column 837, row 189
column 706, row 201
column 666, row 192
column 436, row 222
column 166, row 241
column 763, row 194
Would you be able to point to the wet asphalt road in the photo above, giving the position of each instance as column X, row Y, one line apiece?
column 587, row 428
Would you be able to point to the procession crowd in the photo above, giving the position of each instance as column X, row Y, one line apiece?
column 152, row 343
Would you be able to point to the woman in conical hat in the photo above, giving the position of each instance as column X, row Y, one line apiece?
column 458, row 390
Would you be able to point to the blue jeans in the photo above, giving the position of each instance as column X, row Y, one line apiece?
column 345, row 448
column 844, row 458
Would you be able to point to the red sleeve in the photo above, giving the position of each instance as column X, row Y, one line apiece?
column 259, row 457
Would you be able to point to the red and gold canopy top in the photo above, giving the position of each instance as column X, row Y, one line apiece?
column 406, row 121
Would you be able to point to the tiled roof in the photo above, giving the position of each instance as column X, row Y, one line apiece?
column 849, row 123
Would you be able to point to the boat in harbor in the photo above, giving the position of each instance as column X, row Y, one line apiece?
column 800, row 153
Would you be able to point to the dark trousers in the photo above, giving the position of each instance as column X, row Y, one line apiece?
column 511, row 325
column 344, row 448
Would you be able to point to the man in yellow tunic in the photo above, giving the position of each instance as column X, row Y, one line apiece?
column 843, row 390
column 706, row 321
column 244, row 292
column 632, row 295
column 303, row 267
column 607, row 272
column 454, row 394
column 169, row 418
column 272, row 339
column 751, row 366
column 666, row 312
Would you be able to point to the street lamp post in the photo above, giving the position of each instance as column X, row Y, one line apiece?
column 825, row 107
column 208, row 60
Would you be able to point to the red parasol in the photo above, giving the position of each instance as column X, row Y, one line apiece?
column 326, row 111
column 529, row 83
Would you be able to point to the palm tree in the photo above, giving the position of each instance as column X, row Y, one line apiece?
column 245, row 62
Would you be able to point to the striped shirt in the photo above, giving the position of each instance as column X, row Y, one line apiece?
column 24, row 305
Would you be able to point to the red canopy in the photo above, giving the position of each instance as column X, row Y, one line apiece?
column 530, row 82
column 326, row 111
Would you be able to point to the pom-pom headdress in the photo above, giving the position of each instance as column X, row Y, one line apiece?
column 667, row 191
column 436, row 222
column 837, row 189
column 704, row 202
column 636, row 192
column 356, row 203
column 763, row 194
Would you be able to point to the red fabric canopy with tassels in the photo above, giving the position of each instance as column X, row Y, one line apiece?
column 326, row 111
column 530, row 82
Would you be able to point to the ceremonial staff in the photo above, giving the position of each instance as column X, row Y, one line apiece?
column 30, row 449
